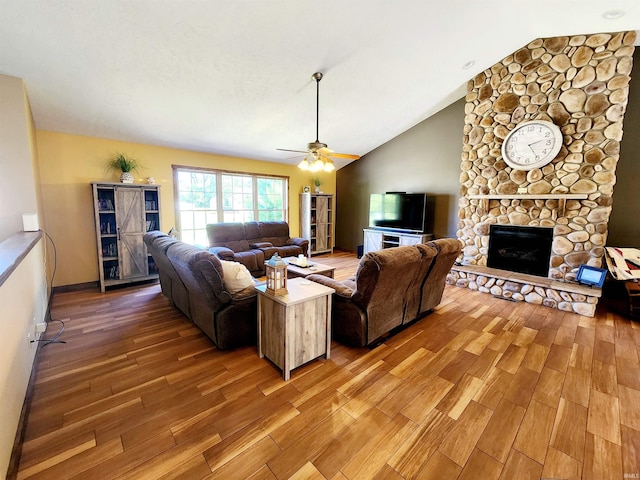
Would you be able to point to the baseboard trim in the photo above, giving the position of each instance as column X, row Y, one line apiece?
column 76, row 287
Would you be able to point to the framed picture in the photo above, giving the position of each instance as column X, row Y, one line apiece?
column 592, row 276
column 306, row 189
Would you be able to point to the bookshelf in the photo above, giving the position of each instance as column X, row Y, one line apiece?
column 123, row 214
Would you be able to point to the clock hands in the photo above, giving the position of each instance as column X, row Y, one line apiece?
column 533, row 143
column 538, row 141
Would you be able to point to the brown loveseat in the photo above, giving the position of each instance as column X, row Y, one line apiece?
column 194, row 282
column 251, row 243
column 392, row 287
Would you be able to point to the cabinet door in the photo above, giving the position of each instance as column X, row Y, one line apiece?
column 372, row 241
column 410, row 239
column 131, row 225
column 322, row 223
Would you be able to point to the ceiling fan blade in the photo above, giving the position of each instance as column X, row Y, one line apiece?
column 344, row 155
column 327, row 151
column 288, row 150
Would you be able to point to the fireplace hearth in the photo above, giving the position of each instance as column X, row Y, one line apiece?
column 520, row 249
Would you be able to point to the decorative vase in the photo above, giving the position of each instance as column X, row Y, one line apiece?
column 317, row 189
column 126, row 177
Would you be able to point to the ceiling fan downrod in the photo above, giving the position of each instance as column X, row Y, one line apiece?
column 315, row 146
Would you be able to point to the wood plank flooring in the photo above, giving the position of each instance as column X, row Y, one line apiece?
column 482, row 388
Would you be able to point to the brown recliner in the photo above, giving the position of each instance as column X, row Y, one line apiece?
column 428, row 254
column 375, row 301
column 433, row 286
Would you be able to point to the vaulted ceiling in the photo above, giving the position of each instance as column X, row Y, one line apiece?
column 234, row 77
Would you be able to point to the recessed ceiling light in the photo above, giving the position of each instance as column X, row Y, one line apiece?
column 469, row 64
column 613, row 14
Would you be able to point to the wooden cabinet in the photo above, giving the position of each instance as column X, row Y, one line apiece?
column 379, row 239
column 295, row 328
column 316, row 221
column 123, row 213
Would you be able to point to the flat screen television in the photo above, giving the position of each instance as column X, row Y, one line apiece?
column 404, row 212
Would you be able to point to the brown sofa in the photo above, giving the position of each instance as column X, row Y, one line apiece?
column 391, row 288
column 194, row 282
column 172, row 286
column 251, row 243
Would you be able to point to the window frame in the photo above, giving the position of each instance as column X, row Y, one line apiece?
column 176, row 169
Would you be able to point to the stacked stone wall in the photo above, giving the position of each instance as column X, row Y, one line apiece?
column 580, row 83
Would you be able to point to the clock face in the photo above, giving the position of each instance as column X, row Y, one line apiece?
column 532, row 144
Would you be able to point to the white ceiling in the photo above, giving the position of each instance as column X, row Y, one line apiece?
column 234, row 76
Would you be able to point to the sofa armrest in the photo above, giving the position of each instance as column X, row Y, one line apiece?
column 246, row 295
column 223, row 253
column 301, row 242
column 261, row 245
column 340, row 288
column 297, row 241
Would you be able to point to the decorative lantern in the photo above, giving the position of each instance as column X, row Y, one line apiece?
column 276, row 270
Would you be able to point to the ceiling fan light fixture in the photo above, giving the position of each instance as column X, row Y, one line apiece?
column 317, row 165
column 328, row 166
column 304, row 164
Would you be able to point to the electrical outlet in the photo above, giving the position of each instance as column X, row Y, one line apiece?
column 41, row 327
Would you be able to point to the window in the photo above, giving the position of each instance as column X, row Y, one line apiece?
column 212, row 196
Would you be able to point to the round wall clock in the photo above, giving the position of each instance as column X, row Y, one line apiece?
column 532, row 144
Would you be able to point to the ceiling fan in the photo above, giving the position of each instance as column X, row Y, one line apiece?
column 318, row 155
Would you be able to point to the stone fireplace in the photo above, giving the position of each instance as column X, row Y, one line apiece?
column 580, row 83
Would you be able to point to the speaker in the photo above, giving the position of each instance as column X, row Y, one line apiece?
column 360, row 250
column 30, row 222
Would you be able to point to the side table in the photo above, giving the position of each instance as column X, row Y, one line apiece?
column 294, row 329
column 633, row 292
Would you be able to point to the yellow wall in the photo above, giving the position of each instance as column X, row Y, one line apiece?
column 69, row 163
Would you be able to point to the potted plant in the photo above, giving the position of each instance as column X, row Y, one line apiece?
column 317, row 181
column 125, row 164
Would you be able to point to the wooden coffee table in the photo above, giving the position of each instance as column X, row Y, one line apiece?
column 294, row 271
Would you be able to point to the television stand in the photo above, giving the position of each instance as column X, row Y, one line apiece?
column 380, row 239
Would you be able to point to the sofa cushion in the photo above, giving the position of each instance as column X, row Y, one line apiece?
column 252, row 231
column 235, row 276
column 275, row 232
column 238, row 245
column 230, row 235
column 252, row 259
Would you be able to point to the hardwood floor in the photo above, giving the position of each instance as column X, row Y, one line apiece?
column 482, row 388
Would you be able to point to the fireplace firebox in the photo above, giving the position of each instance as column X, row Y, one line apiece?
column 520, row 249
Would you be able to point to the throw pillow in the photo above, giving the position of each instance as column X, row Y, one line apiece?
column 235, row 276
